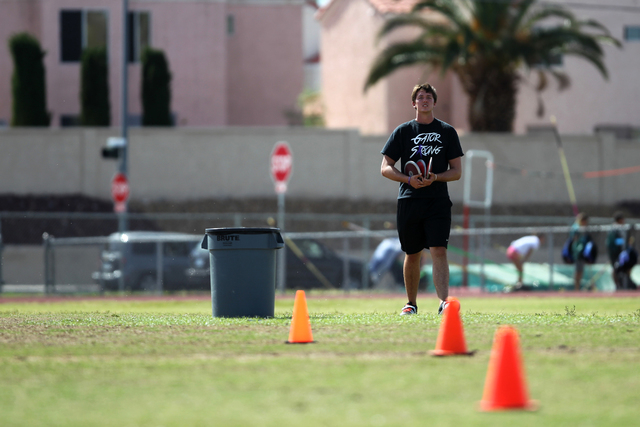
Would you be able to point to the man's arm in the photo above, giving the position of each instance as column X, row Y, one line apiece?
column 390, row 171
column 454, row 173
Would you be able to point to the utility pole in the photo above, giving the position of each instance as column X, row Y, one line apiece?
column 123, row 166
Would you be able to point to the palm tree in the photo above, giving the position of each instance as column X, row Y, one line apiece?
column 488, row 44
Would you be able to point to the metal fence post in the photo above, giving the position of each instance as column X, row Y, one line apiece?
column 346, row 276
column 550, row 246
column 121, row 266
column 366, row 223
column 49, row 263
column 102, row 270
column 482, row 247
column 159, row 267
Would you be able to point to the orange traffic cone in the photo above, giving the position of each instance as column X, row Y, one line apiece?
column 451, row 336
column 505, row 386
column 300, row 332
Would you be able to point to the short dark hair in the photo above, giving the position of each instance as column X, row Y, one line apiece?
column 426, row 87
column 618, row 216
column 582, row 217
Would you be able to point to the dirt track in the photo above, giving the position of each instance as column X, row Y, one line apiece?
column 466, row 293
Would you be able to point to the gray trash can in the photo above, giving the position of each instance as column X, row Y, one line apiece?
column 243, row 270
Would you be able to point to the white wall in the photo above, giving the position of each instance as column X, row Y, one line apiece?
column 187, row 164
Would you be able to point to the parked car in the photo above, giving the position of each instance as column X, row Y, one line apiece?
column 130, row 259
column 304, row 260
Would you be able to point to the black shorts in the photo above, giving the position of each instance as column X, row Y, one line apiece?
column 423, row 223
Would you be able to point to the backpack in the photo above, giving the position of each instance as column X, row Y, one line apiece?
column 590, row 251
column 627, row 258
column 567, row 252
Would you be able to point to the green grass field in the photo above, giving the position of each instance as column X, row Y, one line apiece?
column 170, row 363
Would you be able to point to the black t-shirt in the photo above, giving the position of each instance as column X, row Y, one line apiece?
column 413, row 141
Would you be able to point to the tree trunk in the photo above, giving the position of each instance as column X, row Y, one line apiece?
column 492, row 96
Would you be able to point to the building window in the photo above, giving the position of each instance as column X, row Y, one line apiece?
column 231, row 25
column 80, row 29
column 139, row 34
column 632, row 33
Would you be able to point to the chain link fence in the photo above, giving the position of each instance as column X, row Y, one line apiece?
column 326, row 251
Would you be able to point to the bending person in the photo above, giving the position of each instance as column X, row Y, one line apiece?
column 520, row 250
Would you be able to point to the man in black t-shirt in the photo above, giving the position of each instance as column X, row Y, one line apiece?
column 430, row 156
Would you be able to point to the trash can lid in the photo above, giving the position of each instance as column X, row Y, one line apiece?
column 242, row 230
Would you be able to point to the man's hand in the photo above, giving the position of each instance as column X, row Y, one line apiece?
column 417, row 181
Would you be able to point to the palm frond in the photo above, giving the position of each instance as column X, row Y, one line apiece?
column 608, row 40
column 540, row 109
column 522, row 9
column 605, row 35
column 589, row 56
column 550, row 12
column 402, row 21
column 542, row 81
column 562, row 78
column 452, row 53
column 492, row 16
column 447, row 8
column 594, row 24
column 402, row 55
column 561, row 38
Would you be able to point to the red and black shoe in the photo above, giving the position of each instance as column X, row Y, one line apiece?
column 409, row 309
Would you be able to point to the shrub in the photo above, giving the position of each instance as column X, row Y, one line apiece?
column 156, row 91
column 94, row 92
column 28, row 82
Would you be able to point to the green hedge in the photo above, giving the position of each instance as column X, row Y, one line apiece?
column 28, row 82
column 156, row 91
column 94, row 92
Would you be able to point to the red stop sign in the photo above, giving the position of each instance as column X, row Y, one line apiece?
column 281, row 162
column 120, row 188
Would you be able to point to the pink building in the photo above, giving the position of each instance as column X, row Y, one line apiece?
column 348, row 48
column 232, row 62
